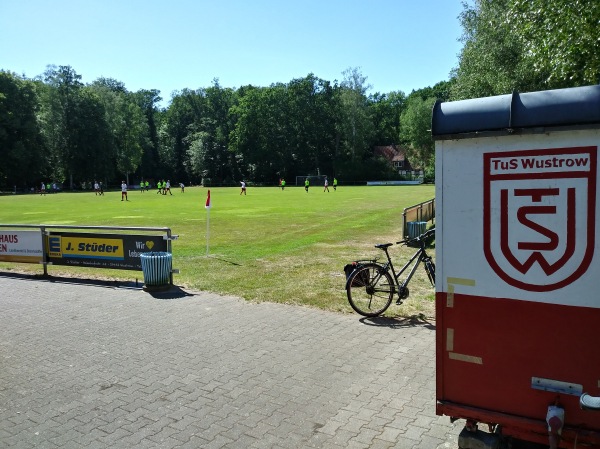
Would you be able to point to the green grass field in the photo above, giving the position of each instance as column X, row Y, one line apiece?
column 270, row 245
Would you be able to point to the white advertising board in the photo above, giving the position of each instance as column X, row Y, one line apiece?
column 21, row 246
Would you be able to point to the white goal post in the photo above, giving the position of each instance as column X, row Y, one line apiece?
column 316, row 180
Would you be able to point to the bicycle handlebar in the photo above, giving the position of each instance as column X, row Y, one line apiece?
column 419, row 238
column 427, row 234
column 423, row 236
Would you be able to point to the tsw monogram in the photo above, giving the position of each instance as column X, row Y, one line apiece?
column 539, row 215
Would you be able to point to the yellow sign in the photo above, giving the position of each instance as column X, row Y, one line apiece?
column 85, row 247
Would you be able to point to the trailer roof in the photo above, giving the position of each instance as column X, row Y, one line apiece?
column 572, row 107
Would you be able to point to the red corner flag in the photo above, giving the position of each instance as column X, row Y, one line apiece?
column 208, row 205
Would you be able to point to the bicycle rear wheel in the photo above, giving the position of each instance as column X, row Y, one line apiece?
column 370, row 289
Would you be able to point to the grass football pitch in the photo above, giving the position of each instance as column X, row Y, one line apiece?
column 269, row 245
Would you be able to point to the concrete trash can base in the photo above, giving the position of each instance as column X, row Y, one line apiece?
column 156, row 267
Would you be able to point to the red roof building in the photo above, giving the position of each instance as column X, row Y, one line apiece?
column 396, row 156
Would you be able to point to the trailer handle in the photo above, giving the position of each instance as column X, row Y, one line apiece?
column 588, row 402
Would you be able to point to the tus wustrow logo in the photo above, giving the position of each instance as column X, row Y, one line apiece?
column 539, row 215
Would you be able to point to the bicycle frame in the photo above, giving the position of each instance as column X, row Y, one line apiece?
column 418, row 257
column 415, row 260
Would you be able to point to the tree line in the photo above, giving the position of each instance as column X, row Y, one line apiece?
column 55, row 128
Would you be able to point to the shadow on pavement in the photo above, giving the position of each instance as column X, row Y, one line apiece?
column 173, row 292
column 398, row 322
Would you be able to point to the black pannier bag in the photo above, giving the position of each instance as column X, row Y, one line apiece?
column 358, row 281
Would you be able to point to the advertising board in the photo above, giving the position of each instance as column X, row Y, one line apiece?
column 116, row 251
column 21, row 246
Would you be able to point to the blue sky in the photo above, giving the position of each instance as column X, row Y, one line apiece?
column 399, row 45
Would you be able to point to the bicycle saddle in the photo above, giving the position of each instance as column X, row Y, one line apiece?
column 384, row 245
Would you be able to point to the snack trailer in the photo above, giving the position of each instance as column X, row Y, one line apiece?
column 518, row 282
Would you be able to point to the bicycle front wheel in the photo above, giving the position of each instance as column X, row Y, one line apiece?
column 370, row 290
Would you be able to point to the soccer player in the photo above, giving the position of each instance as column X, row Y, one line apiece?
column 124, row 191
column 243, row 188
column 326, row 185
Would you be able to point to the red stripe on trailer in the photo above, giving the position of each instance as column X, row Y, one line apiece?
column 490, row 349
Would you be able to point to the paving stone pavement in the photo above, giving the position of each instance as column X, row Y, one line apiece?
column 92, row 365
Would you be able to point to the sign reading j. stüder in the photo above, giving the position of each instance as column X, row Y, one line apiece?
column 539, row 215
column 116, row 251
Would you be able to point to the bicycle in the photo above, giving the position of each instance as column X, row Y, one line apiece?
column 371, row 286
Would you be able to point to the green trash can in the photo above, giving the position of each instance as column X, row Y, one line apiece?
column 416, row 228
column 156, row 267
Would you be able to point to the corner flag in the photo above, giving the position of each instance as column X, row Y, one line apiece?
column 208, row 205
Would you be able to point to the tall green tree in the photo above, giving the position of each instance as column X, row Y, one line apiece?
column 180, row 122
column 310, row 110
column 131, row 136
column 260, row 136
column 356, row 125
column 416, row 131
column 59, row 117
column 385, row 112
column 560, row 37
column 527, row 45
column 286, row 130
column 127, row 124
column 195, row 135
column 492, row 60
column 217, row 124
column 148, row 101
column 21, row 146
column 92, row 139
column 441, row 91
